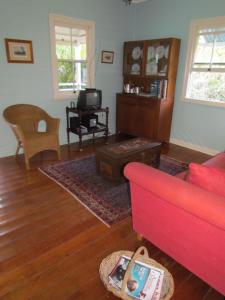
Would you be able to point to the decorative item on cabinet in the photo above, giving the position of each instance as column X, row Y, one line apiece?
column 131, row 89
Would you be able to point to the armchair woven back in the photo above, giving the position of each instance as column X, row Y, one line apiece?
column 27, row 116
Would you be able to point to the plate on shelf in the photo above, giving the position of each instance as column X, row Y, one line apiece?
column 152, row 69
column 135, row 69
column 151, row 53
column 166, row 54
column 136, row 53
column 160, row 51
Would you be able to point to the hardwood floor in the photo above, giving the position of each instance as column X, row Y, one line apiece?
column 51, row 246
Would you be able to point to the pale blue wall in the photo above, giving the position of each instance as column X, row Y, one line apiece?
column 197, row 124
column 115, row 23
column 32, row 83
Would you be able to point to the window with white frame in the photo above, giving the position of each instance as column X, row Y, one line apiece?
column 72, row 43
column 205, row 67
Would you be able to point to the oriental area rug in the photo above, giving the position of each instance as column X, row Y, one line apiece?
column 109, row 202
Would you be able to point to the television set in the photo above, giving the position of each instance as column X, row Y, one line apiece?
column 89, row 99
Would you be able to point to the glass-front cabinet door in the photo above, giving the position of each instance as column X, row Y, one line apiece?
column 157, row 58
column 133, row 56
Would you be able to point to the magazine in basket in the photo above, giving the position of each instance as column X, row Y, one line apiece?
column 145, row 281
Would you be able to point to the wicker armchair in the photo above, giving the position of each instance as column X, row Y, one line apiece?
column 24, row 120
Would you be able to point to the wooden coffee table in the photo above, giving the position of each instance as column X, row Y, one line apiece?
column 111, row 159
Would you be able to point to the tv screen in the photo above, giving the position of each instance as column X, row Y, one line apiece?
column 89, row 99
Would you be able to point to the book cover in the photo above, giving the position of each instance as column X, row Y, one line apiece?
column 118, row 272
column 153, row 89
column 143, row 281
column 165, row 89
column 156, row 295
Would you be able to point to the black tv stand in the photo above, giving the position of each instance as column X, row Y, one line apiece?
column 101, row 127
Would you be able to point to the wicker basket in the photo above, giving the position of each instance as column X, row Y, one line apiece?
column 141, row 255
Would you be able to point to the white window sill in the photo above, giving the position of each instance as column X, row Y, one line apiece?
column 204, row 102
column 64, row 98
column 61, row 97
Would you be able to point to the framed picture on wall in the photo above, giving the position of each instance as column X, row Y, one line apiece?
column 19, row 51
column 107, row 57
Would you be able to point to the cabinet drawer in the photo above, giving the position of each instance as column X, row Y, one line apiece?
column 149, row 103
column 127, row 101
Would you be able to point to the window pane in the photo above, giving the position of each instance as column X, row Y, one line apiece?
column 80, row 71
column 207, row 86
column 63, row 42
column 219, row 51
column 79, row 39
column 65, row 76
column 203, row 52
column 62, row 34
column 63, row 51
column 79, row 52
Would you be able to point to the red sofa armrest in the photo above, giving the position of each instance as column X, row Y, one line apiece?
column 197, row 201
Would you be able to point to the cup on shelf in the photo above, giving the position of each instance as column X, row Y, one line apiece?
column 127, row 88
column 137, row 90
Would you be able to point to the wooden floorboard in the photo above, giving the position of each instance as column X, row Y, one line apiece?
column 51, row 246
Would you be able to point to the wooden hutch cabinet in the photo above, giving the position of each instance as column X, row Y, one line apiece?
column 149, row 68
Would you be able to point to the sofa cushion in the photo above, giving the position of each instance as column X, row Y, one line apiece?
column 217, row 161
column 209, row 178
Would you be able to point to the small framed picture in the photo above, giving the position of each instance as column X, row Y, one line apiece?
column 19, row 51
column 107, row 57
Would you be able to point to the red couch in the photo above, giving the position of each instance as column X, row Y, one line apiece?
column 183, row 220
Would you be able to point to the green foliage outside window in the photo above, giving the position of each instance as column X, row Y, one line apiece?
column 69, row 71
column 207, row 86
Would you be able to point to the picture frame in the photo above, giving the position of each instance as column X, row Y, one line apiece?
column 107, row 57
column 19, row 51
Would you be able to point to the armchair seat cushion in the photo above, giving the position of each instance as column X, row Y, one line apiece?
column 39, row 137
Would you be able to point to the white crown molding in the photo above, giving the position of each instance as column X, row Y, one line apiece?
column 195, row 147
column 134, row 1
column 138, row 1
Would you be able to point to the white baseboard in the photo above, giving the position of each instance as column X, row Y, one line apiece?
column 195, row 147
